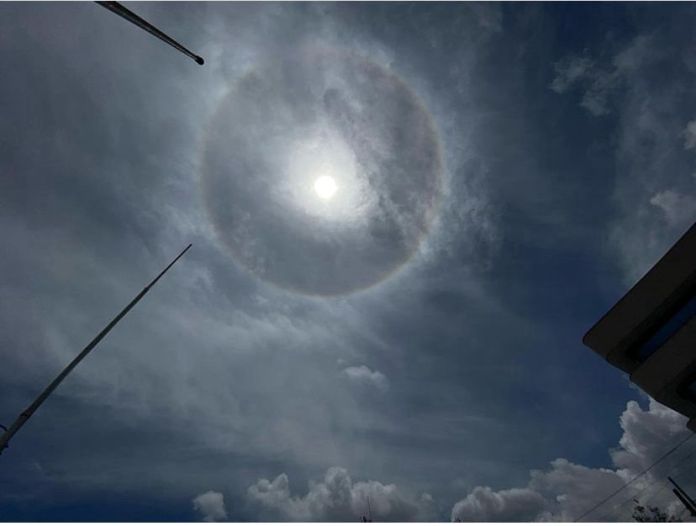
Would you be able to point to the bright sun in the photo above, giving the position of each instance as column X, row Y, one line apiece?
column 325, row 187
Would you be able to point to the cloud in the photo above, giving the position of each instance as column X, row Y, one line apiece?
column 653, row 198
column 511, row 505
column 490, row 16
column 85, row 225
column 214, row 361
column 565, row 490
column 598, row 83
column 363, row 375
column 596, row 98
column 570, row 71
column 690, row 135
column 307, row 113
column 679, row 209
column 211, row 506
column 338, row 498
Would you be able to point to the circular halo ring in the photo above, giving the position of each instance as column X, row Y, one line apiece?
column 382, row 140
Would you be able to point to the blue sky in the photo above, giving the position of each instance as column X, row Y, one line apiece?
column 505, row 172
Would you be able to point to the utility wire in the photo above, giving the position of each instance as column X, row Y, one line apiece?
column 633, row 498
column 665, row 482
column 663, row 487
column 681, row 467
column 625, row 517
column 639, row 475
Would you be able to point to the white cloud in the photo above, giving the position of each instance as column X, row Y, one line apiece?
column 569, row 71
column 679, row 209
column 337, row 498
column 565, row 490
column 211, row 506
column 509, row 505
column 653, row 194
column 599, row 82
column 647, row 435
column 363, row 375
column 596, row 98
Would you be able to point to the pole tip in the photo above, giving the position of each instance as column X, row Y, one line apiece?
column 199, row 60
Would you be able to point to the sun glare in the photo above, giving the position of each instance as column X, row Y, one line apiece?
column 325, row 187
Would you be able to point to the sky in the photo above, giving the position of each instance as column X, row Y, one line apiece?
column 407, row 334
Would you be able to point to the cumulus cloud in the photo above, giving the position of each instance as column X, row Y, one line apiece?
column 484, row 504
column 211, row 506
column 565, row 490
column 363, row 375
column 338, row 498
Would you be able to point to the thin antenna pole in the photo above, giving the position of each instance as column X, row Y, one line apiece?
column 26, row 414
column 684, row 497
column 122, row 11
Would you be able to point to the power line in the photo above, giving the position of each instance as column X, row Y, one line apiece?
column 633, row 498
column 680, row 467
column 639, row 475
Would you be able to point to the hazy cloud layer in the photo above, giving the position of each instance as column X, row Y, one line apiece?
column 321, row 112
column 226, row 377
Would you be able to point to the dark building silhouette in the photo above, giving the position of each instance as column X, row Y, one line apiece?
column 651, row 332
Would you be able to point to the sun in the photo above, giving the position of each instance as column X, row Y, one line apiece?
column 325, row 187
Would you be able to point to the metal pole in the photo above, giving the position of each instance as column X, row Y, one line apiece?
column 684, row 497
column 129, row 15
column 26, row 414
